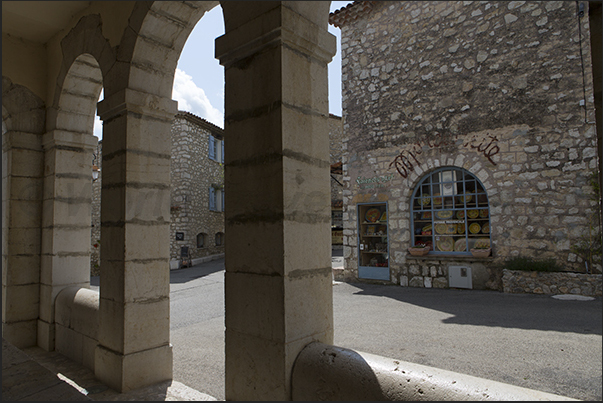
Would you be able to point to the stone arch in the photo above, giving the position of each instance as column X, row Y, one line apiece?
column 68, row 146
column 152, row 44
column 291, row 41
column 85, row 50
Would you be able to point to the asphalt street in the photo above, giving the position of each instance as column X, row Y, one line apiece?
column 532, row 341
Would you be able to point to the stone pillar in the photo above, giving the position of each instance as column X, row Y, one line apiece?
column 278, row 289
column 22, row 164
column 65, row 258
column 134, row 348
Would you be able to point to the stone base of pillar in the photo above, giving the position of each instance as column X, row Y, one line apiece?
column 20, row 334
column 45, row 335
column 132, row 371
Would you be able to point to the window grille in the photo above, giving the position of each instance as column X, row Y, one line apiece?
column 450, row 212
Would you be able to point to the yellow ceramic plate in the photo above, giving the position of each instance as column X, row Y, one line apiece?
column 466, row 198
column 483, row 213
column 460, row 228
column 436, row 199
column 475, row 228
column 445, row 214
column 425, row 200
column 383, row 216
column 460, row 245
column 473, row 213
column 441, row 228
column 486, row 228
column 445, row 244
column 460, row 214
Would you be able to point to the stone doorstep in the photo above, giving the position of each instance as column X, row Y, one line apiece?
column 83, row 384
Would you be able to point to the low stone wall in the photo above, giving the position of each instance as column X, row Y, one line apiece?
column 532, row 282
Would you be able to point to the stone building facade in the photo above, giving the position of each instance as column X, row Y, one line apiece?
column 197, row 188
column 336, row 153
column 495, row 99
column 196, row 223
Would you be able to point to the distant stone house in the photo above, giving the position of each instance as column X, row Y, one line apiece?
column 197, row 193
column 197, row 189
column 467, row 124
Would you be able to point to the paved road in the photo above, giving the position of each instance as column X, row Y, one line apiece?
column 527, row 340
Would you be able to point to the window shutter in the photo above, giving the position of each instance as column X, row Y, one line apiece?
column 212, row 199
column 222, row 194
column 222, row 156
column 212, row 147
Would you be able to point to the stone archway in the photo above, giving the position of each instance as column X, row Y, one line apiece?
column 67, row 190
column 279, row 298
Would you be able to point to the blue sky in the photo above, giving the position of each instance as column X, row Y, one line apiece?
column 199, row 78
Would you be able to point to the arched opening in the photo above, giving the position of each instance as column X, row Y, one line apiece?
column 68, row 177
column 450, row 212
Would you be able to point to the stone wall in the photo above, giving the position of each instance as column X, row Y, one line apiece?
column 192, row 174
column 95, row 244
column 533, row 282
column 503, row 90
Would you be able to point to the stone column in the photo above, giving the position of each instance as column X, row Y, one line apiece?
column 65, row 259
column 134, row 348
column 278, row 288
column 22, row 162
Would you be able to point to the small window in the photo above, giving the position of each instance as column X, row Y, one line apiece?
column 201, row 240
column 213, row 154
column 219, row 239
column 212, row 199
column 450, row 212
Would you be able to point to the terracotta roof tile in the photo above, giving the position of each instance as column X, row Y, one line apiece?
column 350, row 12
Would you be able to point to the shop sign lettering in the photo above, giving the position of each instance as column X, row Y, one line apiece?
column 374, row 182
column 409, row 158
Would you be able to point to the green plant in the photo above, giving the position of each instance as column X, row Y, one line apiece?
column 589, row 244
column 529, row 264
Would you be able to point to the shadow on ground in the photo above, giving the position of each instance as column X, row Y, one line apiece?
column 493, row 308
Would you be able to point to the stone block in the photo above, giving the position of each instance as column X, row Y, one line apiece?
column 21, row 269
column 25, row 214
column 416, row 282
column 146, row 280
column 315, row 314
column 57, row 212
column 147, row 242
column 299, row 239
column 27, row 307
column 147, row 205
column 133, row 371
column 267, row 359
column 69, row 343
column 21, row 334
column 25, row 188
column 62, row 240
column 255, row 305
column 25, row 162
column 62, row 270
column 255, row 247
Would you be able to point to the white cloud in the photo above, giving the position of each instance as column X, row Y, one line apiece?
column 193, row 99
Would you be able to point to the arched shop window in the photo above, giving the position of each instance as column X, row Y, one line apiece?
column 450, row 212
